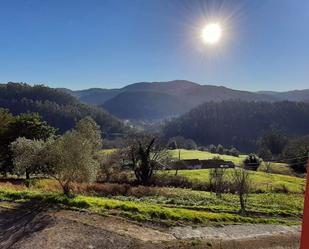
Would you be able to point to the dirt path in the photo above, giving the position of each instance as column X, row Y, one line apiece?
column 30, row 226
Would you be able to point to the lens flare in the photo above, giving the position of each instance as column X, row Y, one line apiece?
column 211, row 33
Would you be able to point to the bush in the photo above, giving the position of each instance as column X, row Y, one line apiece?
column 234, row 152
column 212, row 148
column 220, row 149
column 252, row 162
column 171, row 181
column 217, row 180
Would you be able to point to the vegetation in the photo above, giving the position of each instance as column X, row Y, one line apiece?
column 27, row 125
column 217, row 180
column 71, row 157
column 141, row 210
column 180, row 142
column 242, row 185
column 27, row 156
column 297, row 152
column 252, row 162
column 239, row 123
column 273, row 167
column 144, row 153
column 261, row 182
column 57, row 107
column 68, row 168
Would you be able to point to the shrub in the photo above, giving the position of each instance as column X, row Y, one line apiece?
column 252, row 162
column 242, row 185
column 217, row 180
column 171, row 181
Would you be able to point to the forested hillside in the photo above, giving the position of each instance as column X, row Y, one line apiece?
column 58, row 108
column 159, row 100
column 239, row 123
column 145, row 105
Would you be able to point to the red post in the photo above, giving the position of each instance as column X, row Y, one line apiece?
column 304, row 244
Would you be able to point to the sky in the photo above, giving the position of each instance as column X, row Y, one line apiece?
column 81, row 44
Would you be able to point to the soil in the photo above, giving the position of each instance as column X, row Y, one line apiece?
column 33, row 226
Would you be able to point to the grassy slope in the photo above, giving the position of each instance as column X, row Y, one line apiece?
column 137, row 210
column 261, row 182
column 280, row 168
column 271, row 204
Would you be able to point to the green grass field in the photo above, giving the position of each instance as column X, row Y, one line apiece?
column 278, row 168
column 175, row 206
column 261, row 182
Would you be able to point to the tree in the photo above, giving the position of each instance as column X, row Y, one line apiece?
column 59, row 108
column 71, row 157
column 212, row 148
column 252, row 162
column 172, row 145
column 27, row 125
column 90, row 130
column 5, row 119
column 190, row 144
column 265, row 154
column 145, row 154
column 239, row 123
column 274, row 141
column 296, row 154
column 110, row 164
column 217, row 180
column 220, row 149
column 234, row 152
column 241, row 183
column 31, row 126
column 26, row 156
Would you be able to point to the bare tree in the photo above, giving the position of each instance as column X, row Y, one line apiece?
column 217, row 180
column 110, row 164
column 242, row 184
column 146, row 154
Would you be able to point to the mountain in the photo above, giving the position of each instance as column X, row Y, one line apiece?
column 239, row 123
column 145, row 105
column 296, row 95
column 58, row 107
column 176, row 97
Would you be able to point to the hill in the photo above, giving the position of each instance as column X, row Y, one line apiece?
column 145, row 105
column 239, row 123
column 184, row 93
column 60, row 109
column 296, row 95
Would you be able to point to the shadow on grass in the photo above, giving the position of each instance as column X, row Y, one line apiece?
column 21, row 221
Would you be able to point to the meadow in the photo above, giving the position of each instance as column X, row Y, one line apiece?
column 273, row 199
column 261, row 182
column 277, row 168
column 162, row 205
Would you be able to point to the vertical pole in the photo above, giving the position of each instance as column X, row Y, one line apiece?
column 304, row 244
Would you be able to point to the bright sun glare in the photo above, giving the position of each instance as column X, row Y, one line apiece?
column 211, row 33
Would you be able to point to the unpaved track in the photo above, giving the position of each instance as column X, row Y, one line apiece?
column 31, row 226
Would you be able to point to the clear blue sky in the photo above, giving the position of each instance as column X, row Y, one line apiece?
column 111, row 43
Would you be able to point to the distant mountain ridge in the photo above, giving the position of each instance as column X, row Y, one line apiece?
column 167, row 99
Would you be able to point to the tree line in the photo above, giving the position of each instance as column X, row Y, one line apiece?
column 57, row 107
column 239, row 123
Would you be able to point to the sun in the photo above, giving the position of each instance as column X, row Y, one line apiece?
column 211, row 33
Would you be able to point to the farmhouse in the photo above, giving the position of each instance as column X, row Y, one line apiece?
column 187, row 164
column 202, row 164
column 216, row 163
